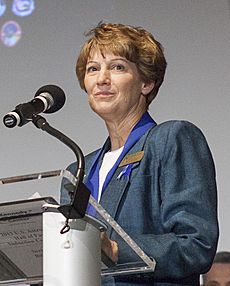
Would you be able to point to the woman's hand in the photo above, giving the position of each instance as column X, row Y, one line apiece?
column 109, row 247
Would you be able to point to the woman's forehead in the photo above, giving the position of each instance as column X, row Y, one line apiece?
column 103, row 54
column 104, row 50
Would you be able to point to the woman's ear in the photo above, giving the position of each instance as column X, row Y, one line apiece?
column 147, row 87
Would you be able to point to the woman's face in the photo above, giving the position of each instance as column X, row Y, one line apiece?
column 114, row 86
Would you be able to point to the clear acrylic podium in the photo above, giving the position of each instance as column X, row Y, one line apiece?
column 32, row 249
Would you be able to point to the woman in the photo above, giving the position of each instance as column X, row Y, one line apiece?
column 157, row 181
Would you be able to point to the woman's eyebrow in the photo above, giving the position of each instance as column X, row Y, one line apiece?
column 120, row 59
column 90, row 62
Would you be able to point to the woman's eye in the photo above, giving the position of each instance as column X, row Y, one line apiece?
column 91, row 69
column 118, row 67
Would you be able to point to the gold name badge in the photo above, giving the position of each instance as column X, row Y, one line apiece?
column 132, row 158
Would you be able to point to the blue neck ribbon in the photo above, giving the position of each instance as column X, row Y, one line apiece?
column 92, row 181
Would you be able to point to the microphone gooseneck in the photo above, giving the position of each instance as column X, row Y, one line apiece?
column 80, row 193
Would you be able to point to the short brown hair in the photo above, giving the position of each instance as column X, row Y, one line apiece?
column 134, row 43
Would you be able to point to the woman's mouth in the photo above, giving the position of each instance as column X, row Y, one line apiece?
column 103, row 94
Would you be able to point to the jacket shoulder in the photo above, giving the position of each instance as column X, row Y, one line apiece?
column 174, row 130
column 173, row 135
column 175, row 126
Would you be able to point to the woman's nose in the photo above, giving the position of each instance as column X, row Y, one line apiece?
column 103, row 77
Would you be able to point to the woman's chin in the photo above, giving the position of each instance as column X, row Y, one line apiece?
column 104, row 110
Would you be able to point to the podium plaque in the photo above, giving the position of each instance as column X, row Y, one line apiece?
column 21, row 241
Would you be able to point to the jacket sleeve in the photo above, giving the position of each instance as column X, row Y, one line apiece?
column 65, row 196
column 187, row 242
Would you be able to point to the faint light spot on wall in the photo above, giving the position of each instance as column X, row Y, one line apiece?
column 23, row 8
column 2, row 7
column 10, row 33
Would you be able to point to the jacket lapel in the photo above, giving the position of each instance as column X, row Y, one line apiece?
column 112, row 196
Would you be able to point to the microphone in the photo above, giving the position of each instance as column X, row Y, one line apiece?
column 48, row 99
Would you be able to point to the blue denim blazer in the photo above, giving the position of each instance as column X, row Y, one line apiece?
column 168, row 205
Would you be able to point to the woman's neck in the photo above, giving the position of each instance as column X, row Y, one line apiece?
column 119, row 130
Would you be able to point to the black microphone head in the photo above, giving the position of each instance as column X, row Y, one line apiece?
column 57, row 95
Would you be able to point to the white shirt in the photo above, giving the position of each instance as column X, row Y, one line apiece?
column 109, row 160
